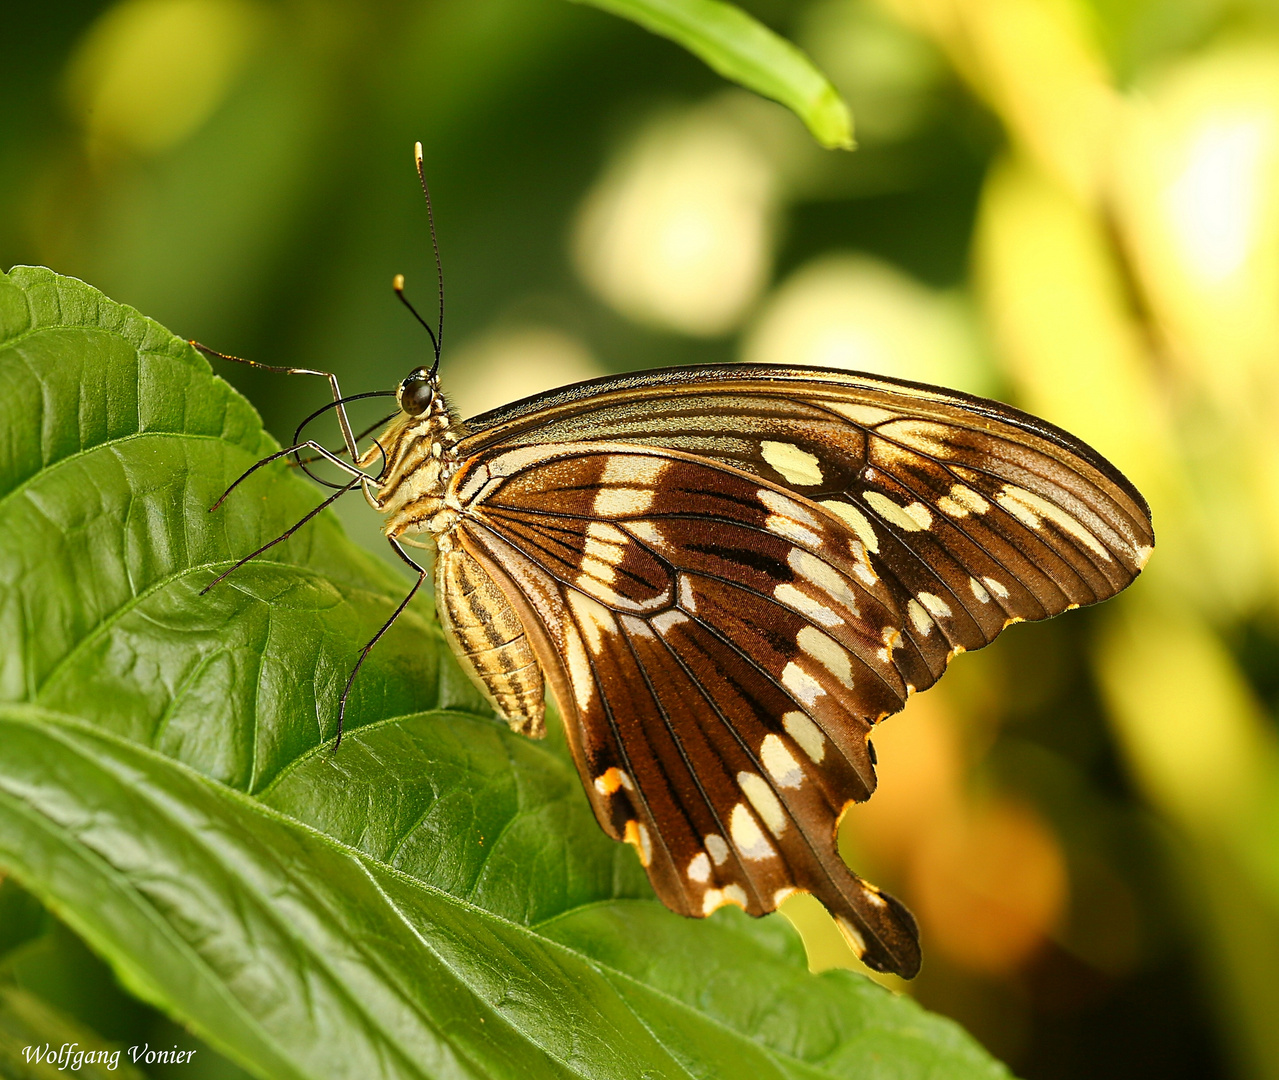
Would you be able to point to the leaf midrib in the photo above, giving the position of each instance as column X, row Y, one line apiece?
column 95, row 632
column 107, row 444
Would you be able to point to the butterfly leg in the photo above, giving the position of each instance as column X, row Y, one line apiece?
column 421, row 576
column 283, row 536
column 309, row 444
column 348, row 436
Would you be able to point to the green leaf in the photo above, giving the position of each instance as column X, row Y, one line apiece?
column 433, row 900
column 747, row 52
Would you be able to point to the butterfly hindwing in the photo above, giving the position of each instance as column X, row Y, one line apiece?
column 723, row 670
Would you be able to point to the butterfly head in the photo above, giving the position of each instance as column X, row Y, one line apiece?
column 419, row 393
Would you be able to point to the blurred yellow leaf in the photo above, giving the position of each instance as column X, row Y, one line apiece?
column 1057, row 308
column 1197, row 197
column 1192, row 731
column 1035, row 62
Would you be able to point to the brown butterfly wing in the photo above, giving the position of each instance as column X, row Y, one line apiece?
column 767, row 546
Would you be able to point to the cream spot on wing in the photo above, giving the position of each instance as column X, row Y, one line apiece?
column 1030, row 510
column 637, row 627
column 857, row 520
column 718, row 898
column 872, row 893
column 622, row 502
column 579, row 668
column 780, row 762
column 787, row 594
column 636, row 469
column 600, row 571
column 668, row 620
column 686, row 598
column 648, row 532
column 923, row 436
column 636, row 834
column 807, row 735
column 783, row 894
column 514, row 461
column 749, row 841
column 627, row 485
column 789, row 519
column 789, row 529
column 962, row 501
column 997, row 587
column 800, row 683
column 777, row 503
column 717, row 847
column 824, row 576
column 611, row 779
column 865, row 574
column 827, row 652
column 978, row 590
column 796, row 465
column 765, row 802
column 937, row 607
column 605, row 542
column 851, row 935
column 593, row 617
column 919, row 618
column 912, row 518
column 699, row 867
column 868, row 415
column 1143, row 555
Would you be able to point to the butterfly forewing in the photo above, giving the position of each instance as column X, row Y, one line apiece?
column 731, row 574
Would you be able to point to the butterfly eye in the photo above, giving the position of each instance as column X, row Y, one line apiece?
column 417, row 392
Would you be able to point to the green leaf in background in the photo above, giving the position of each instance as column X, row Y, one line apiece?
column 747, row 52
column 434, row 900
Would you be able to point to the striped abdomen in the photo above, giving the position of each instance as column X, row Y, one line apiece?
column 489, row 639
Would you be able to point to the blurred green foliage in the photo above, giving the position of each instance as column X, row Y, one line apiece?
column 1070, row 205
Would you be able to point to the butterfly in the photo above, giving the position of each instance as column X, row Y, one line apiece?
column 726, row 577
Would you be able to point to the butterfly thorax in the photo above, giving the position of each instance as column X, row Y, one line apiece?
column 487, row 634
column 421, row 456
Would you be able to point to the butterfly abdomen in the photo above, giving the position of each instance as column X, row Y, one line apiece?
column 489, row 638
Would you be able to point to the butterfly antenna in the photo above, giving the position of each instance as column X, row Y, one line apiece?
column 397, row 283
column 438, row 337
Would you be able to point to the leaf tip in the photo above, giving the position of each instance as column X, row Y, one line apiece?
column 831, row 121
